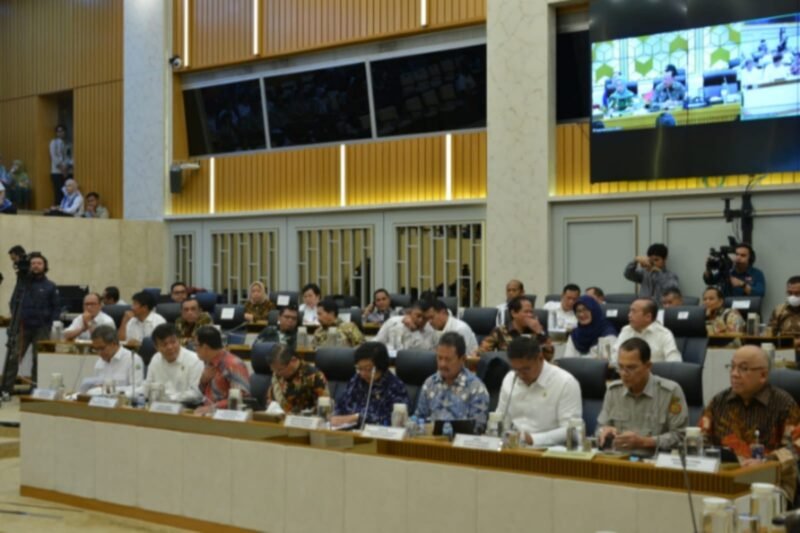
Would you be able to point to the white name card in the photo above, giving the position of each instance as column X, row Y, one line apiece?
column 45, row 394
column 383, row 432
column 683, row 315
column 232, row 416
column 491, row 444
column 104, row 401
column 709, row 465
column 302, row 422
column 612, row 313
column 283, row 300
column 345, row 317
column 167, row 408
column 741, row 304
column 227, row 313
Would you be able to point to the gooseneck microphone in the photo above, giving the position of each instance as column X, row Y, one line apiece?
column 682, row 453
column 508, row 403
column 369, row 397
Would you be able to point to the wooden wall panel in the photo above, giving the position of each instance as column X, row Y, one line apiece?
column 296, row 179
column 407, row 170
column 98, row 143
column 180, row 137
column 445, row 13
column 573, row 175
column 17, row 136
column 193, row 199
column 221, row 32
column 469, row 166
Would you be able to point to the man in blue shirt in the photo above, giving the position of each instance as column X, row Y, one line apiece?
column 453, row 393
column 744, row 280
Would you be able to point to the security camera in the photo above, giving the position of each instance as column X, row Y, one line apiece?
column 175, row 62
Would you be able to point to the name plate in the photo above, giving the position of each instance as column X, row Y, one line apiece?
column 741, row 304
column 104, row 401
column 283, row 300
column 45, row 394
column 167, row 408
column 612, row 313
column 683, row 315
column 232, row 416
column 383, row 432
column 491, row 444
column 228, row 313
column 709, row 465
column 302, row 422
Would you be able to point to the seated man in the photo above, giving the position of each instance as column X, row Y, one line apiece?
column 223, row 370
column 670, row 92
column 71, row 203
column 785, row 319
column 85, row 323
column 453, row 392
column 438, row 316
column 408, row 332
column 178, row 292
column 622, row 98
column 538, row 398
column 523, row 322
column 286, row 330
column 642, row 325
column 111, row 296
column 141, row 320
column 651, row 273
column 380, row 309
column 93, row 208
column 7, row 207
column 671, row 298
column 372, row 365
column 564, row 310
column 192, row 317
column 643, row 412
column 752, row 405
column 596, row 293
column 328, row 316
column 116, row 364
column 296, row 385
column 175, row 367
column 514, row 288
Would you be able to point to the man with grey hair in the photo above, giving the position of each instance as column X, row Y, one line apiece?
column 92, row 317
column 116, row 364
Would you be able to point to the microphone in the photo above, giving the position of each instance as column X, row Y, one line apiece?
column 682, row 454
column 369, row 397
column 508, row 403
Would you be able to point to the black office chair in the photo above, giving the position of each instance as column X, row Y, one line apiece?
column 787, row 379
column 481, row 320
column 413, row 367
column 621, row 298
column 492, row 369
column 690, row 377
column 452, row 304
column 688, row 326
column 338, row 365
column 116, row 312
column 552, row 298
column 356, row 315
column 541, row 315
column 294, row 296
column 228, row 316
column 207, row 300
column 617, row 314
column 400, row 300
column 591, row 375
column 691, row 300
column 261, row 378
column 744, row 304
column 532, row 299
column 272, row 317
column 171, row 311
column 146, row 351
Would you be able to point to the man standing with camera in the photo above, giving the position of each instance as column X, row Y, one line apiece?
column 736, row 277
column 38, row 309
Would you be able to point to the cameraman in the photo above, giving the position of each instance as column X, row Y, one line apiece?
column 39, row 308
column 743, row 279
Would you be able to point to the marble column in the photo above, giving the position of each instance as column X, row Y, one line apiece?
column 146, row 77
column 521, row 144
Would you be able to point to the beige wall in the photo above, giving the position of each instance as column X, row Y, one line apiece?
column 98, row 253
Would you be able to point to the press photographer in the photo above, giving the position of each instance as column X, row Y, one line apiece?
column 736, row 275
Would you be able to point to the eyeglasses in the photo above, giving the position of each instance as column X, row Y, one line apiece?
column 742, row 369
column 364, row 369
column 628, row 369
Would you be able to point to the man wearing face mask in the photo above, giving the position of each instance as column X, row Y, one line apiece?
column 785, row 318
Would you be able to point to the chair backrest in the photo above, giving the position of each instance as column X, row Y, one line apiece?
column 693, row 349
column 744, row 304
column 617, row 314
column 156, row 292
column 492, row 369
column 228, row 316
column 272, row 317
column 413, row 367
column 207, row 300
column 532, row 299
column 787, row 379
column 400, row 300
column 552, row 298
column 691, row 300
column 451, row 302
column 116, row 312
column 338, row 366
column 170, row 311
column 261, row 378
column 294, row 297
column 620, row 298
column 147, row 350
column 541, row 315
column 355, row 315
column 591, row 375
column 686, row 321
column 482, row 320
column 690, row 377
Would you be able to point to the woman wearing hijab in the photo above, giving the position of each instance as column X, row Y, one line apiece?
column 593, row 330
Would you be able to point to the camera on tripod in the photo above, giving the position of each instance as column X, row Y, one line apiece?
column 719, row 262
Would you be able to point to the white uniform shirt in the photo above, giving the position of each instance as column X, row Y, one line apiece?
column 180, row 378
column 101, row 319
column 564, row 319
column 118, row 370
column 594, row 351
column 660, row 339
column 308, row 315
column 544, row 408
column 463, row 329
column 396, row 336
column 502, row 312
column 136, row 330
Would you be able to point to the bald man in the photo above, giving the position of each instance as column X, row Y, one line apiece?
column 514, row 288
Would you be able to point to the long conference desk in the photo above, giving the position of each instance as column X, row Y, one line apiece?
column 211, row 475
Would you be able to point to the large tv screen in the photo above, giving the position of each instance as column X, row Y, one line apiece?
column 722, row 98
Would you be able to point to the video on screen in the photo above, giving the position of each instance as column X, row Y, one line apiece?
column 741, row 71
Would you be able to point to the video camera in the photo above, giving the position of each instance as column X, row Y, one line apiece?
column 719, row 262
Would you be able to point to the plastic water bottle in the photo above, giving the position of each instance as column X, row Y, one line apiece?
column 447, row 431
column 411, row 426
column 420, row 426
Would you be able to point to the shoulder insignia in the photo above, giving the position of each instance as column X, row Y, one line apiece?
column 675, row 407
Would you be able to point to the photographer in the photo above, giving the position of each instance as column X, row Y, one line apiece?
column 38, row 309
column 737, row 276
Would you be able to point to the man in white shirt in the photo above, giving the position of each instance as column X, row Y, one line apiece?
column 408, row 332
column 141, row 320
column 538, row 398
column 642, row 325
column 514, row 288
column 564, row 317
column 438, row 316
column 92, row 317
column 175, row 367
column 116, row 364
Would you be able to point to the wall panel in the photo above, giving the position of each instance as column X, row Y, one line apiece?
column 469, row 166
column 221, row 32
column 194, row 197
column 444, row 13
column 17, row 136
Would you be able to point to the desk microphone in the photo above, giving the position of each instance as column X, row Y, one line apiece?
column 508, row 403
column 682, row 453
column 369, row 397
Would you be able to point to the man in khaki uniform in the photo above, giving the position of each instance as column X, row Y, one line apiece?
column 642, row 412
column 328, row 316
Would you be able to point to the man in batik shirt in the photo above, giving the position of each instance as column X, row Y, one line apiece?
column 192, row 318
column 224, row 371
column 296, row 385
column 328, row 316
column 785, row 320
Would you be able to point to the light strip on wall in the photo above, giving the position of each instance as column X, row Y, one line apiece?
column 342, row 175
column 185, row 33
column 256, row 26
column 448, row 167
column 423, row 12
column 212, row 178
